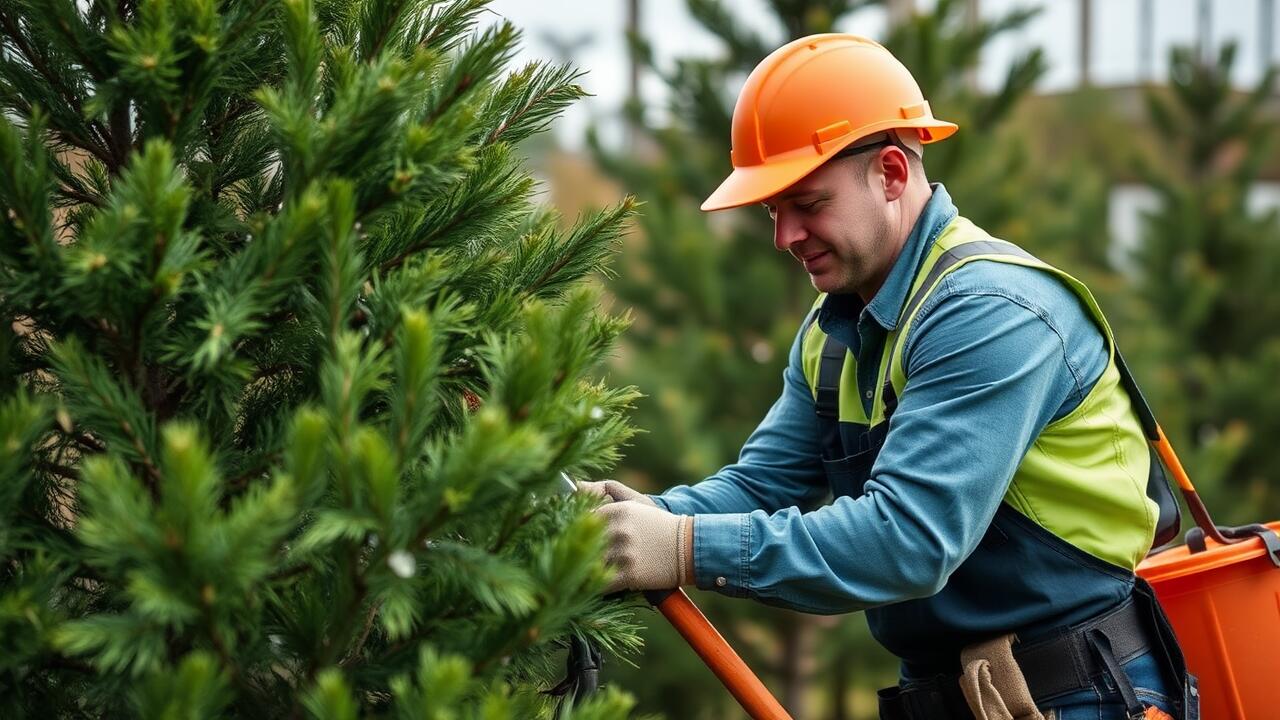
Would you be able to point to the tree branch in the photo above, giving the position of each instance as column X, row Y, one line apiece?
column 498, row 131
column 384, row 33
column 89, row 442
column 61, row 471
column 354, row 653
column 509, row 530
column 551, row 271
column 80, row 197
column 422, row 244
column 37, row 62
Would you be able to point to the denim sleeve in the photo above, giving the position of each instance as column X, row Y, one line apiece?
column 778, row 467
column 988, row 369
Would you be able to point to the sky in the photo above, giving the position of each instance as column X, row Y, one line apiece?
column 595, row 28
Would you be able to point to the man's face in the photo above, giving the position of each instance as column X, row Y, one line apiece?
column 835, row 223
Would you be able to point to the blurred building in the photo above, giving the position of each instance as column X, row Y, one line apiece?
column 1203, row 24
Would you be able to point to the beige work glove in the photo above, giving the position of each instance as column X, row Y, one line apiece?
column 650, row 548
column 612, row 491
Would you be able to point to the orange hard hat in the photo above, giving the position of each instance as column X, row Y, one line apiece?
column 809, row 100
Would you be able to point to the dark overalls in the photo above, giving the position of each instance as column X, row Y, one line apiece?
column 1078, row 619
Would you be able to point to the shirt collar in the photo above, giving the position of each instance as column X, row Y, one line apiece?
column 887, row 304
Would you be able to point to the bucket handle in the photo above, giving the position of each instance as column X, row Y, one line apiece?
column 1196, row 542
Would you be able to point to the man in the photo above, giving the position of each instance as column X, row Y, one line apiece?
column 962, row 402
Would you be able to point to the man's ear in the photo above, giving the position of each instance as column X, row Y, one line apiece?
column 895, row 171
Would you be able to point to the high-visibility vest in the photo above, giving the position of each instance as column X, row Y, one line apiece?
column 1075, row 519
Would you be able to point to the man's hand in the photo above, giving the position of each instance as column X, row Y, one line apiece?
column 614, row 491
column 649, row 547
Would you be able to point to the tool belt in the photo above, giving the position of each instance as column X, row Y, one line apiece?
column 1056, row 666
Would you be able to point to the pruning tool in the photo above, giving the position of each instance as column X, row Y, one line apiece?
column 584, row 660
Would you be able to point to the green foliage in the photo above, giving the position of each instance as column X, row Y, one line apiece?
column 984, row 169
column 291, row 365
column 442, row 685
column 1207, row 267
column 200, row 689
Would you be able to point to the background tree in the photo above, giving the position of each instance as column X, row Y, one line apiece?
column 984, row 169
column 290, row 365
column 1207, row 266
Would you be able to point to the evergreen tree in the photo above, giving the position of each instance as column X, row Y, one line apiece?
column 717, row 309
column 985, row 170
column 1034, row 173
column 291, row 365
column 1207, row 267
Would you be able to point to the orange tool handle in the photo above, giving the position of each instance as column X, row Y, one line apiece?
column 1194, row 503
column 705, row 640
column 1155, row 435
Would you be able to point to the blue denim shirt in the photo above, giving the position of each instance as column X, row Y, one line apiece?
column 997, row 352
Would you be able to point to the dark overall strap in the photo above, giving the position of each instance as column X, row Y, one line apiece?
column 1101, row 645
column 943, row 264
column 827, row 395
column 1158, row 488
column 827, row 402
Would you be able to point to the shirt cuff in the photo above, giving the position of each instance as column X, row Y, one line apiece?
column 721, row 548
column 660, row 502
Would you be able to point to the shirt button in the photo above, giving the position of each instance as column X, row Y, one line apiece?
column 869, row 394
column 721, row 581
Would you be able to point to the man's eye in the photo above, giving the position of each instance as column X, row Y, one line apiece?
column 809, row 207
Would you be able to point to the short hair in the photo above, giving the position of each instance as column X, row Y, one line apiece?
column 902, row 138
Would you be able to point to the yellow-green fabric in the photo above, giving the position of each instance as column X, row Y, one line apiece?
column 1084, row 478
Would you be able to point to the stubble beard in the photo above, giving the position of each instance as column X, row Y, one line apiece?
column 855, row 277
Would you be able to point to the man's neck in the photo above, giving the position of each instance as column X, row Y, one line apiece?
column 912, row 204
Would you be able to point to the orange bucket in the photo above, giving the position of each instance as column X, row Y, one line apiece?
column 1224, row 604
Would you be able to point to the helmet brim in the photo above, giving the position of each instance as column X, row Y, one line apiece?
column 753, row 183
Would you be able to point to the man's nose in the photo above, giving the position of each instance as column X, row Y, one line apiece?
column 786, row 232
